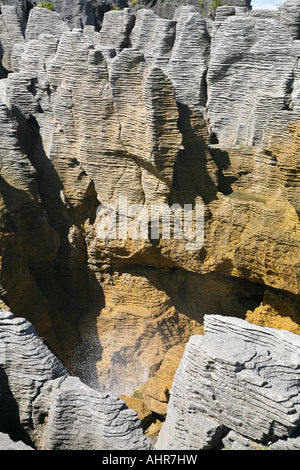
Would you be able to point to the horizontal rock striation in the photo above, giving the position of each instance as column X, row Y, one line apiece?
column 11, row 33
column 248, row 79
column 43, row 21
column 46, row 409
column 6, row 443
column 167, row 9
column 289, row 15
column 237, row 377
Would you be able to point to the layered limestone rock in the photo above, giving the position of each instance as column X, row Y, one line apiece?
column 240, row 378
column 247, row 141
column 11, row 33
column 168, row 8
column 276, row 311
column 148, row 111
column 289, row 16
column 44, row 408
column 248, row 79
column 116, row 29
column 43, row 21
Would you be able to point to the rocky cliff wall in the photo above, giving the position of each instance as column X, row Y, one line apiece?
column 162, row 111
column 237, row 387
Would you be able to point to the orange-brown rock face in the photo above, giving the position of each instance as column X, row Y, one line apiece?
column 100, row 129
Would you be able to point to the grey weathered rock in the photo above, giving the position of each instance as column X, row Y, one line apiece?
column 42, row 34
column 43, row 21
column 94, row 421
column 289, row 16
column 6, row 443
column 190, row 53
column 116, row 29
column 181, row 110
column 26, row 365
column 13, row 158
column 154, row 37
column 56, row 411
column 251, row 66
column 168, row 8
column 288, row 444
column 240, row 376
column 194, row 432
column 20, row 5
column 11, row 33
column 77, row 13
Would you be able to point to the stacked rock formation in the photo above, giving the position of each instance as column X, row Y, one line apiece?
column 42, row 407
column 163, row 112
column 236, row 387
